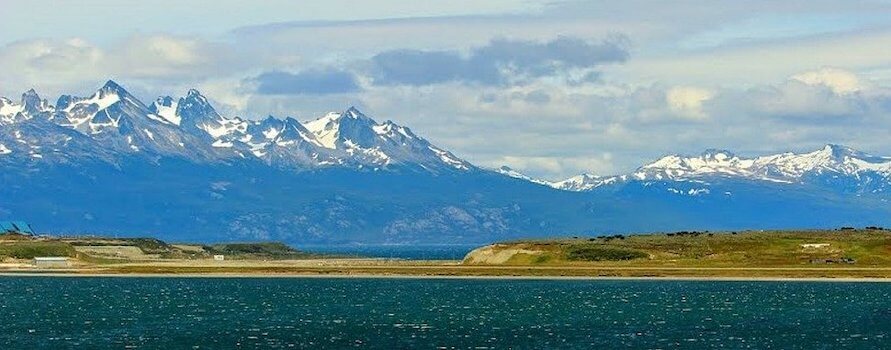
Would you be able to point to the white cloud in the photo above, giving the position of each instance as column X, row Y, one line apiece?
column 556, row 168
column 60, row 66
column 760, row 93
column 42, row 63
column 165, row 57
column 840, row 81
column 687, row 101
column 750, row 64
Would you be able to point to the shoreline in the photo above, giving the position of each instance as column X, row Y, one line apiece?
column 445, row 277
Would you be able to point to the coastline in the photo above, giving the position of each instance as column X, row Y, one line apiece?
column 446, row 277
column 750, row 256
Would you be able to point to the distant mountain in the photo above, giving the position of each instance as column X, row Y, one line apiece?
column 188, row 127
column 834, row 167
column 178, row 170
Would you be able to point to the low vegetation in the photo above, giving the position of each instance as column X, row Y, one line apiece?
column 843, row 253
column 21, row 249
column 848, row 247
column 116, row 250
column 590, row 252
column 266, row 250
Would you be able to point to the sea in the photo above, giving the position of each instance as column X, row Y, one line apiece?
column 41, row 312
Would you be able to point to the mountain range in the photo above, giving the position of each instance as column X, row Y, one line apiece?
column 177, row 169
column 837, row 167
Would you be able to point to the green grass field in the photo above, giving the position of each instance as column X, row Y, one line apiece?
column 755, row 254
column 700, row 249
column 31, row 249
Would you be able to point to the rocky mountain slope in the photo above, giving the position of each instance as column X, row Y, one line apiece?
column 176, row 169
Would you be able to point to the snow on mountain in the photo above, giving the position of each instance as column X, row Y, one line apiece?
column 164, row 110
column 30, row 105
column 92, row 115
column 108, row 163
column 709, row 163
column 578, row 183
column 829, row 159
column 9, row 110
column 196, row 114
column 189, row 127
column 827, row 166
column 586, row 182
column 785, row 167
column 379, row 144
column 506, row 170
column 112, row 124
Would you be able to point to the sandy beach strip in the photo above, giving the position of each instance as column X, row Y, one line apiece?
column 444, row 277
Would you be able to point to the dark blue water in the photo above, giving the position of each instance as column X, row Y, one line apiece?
column 182, row 313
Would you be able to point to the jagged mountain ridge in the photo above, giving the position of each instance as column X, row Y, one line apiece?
column 120, row 125
column 837, row 167
column 178, row 170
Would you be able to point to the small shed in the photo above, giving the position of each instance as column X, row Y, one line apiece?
column 51, row 262
column 219, row 257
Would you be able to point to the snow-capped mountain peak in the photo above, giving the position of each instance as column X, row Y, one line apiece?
column 189, row 127
column 330, row 128
column 360, row 136
column 586, row 182
column 788, row 166
column 32, row 104
column 710, row 162
column 111, row 87
column 194, row 111
column 326, row 129
column 826, row 165
column 831, row 158
column 354, row 113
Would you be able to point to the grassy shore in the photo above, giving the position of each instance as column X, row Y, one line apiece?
column 750, row 249
column 851, row 254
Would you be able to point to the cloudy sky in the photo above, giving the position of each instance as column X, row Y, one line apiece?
column 552, row 88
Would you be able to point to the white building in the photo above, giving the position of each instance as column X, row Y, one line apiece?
column 50, row 262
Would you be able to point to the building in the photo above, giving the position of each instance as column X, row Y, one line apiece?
column 15, row 227
column 48, row 262
column 219, row 257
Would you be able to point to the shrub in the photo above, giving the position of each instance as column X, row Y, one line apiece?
column 273, row 250
column 597, row 253
column 29, row 250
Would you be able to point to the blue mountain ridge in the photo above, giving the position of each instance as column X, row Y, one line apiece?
column 176, row 169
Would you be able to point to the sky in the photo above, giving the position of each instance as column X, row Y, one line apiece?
column 550, row 88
